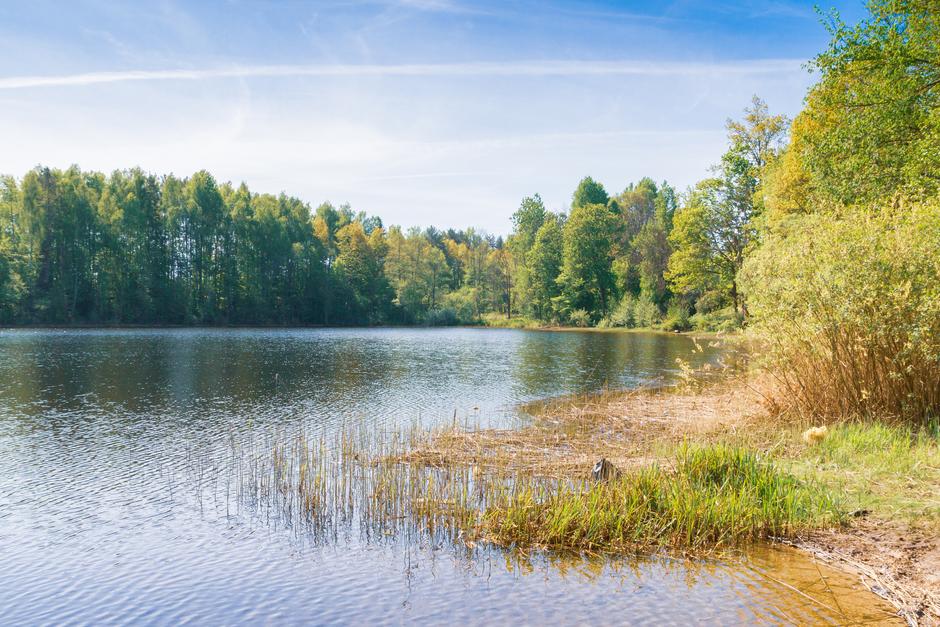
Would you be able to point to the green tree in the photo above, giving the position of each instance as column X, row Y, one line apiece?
column 589, row 192
column 360, row 268
column 872, row 123
column 587, row 278
column 417, row 271
column 719, row 224
column 713, row 231
column 544, row 261
column 526, row 222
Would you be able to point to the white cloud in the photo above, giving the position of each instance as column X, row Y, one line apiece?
column 515, row 68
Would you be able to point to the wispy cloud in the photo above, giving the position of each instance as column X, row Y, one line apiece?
column 514, row 68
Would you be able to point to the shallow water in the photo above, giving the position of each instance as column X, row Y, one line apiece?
column 116, row 507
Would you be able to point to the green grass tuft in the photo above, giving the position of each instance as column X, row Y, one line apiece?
column 717, row 496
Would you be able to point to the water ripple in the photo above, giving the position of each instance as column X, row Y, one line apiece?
column 115, row 483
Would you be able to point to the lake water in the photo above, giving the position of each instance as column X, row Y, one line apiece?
column 115, row 507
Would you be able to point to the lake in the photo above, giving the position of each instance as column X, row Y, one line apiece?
column 115, row 506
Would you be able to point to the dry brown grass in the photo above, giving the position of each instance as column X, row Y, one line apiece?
column 568, row 435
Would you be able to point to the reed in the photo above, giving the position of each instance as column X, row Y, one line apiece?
column 847, row 308
column 704, row 498
column 715, row 496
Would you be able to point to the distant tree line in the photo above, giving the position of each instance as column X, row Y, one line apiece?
column 131, row 247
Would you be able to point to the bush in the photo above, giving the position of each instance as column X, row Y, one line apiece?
column 463, row 302
column 646, row 313
column 849, row 308
column 677, row 318
column 580, row 318
column 445, row 317
column 500, row 321
column 711, row 301
column 623, row 315
column 722, row 320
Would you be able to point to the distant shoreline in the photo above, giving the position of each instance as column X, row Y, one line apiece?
column 556, row 328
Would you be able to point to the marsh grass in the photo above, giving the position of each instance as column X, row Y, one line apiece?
column 702, row 498
column 715, row 496
column 847, row 309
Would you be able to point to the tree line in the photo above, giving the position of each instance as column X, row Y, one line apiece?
column 82, row 247
column 132, row 247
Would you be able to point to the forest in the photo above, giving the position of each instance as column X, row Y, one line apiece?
column 132, row 247
column 741, row 247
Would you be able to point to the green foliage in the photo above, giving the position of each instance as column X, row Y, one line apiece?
column 418, row 272
column 82, row 247
column 849, row 307
column 580, row 318
column 720, row 320
column 589, row 192
column 646, row 314
column 872, row 124
column 653, row 250
column 624, row 315
column 701, row 236
column 677, row 317
column 360, row 270
column 718, row 225
column 444, row 317
column 543, row 262
column 759, row 136
column 527, row 221
column 586, row 278
column 463, row 303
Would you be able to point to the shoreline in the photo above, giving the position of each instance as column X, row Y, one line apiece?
column 899, row 564
column 556, row 328
column 895, row 554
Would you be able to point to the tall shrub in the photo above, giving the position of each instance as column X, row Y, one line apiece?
column 848, row 306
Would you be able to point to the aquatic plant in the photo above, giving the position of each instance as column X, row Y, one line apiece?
column 707, row 497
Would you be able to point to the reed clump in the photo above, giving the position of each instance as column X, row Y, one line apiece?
column 848, row 310
column 715, row 496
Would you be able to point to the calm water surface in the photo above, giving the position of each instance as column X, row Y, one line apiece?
column 115, row 507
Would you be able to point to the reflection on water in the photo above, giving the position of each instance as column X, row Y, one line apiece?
column 324, row 376
column 115, row 504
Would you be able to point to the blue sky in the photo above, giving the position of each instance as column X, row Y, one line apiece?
column 443, row 112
